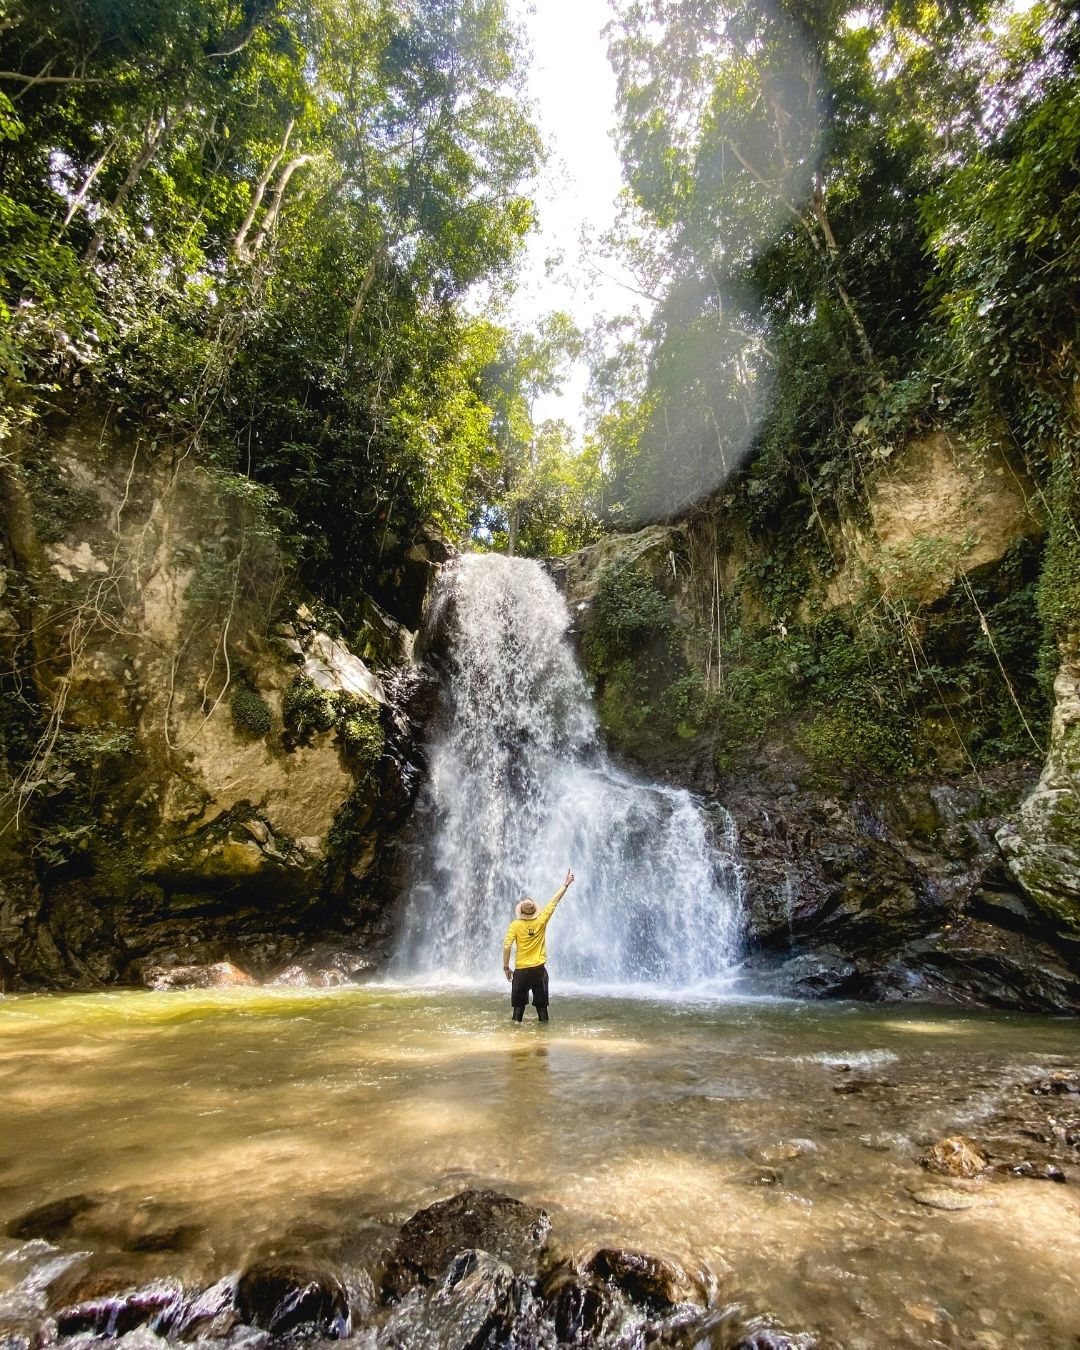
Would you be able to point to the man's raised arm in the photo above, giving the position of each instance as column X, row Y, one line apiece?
column 549, row 909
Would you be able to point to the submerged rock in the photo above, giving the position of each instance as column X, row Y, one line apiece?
column 51, row 1220
column 729, row 1329
column 509, row 1230
column 956, row 1156
column 1058, row 1084
column 943, row 1197
column 1034, row 1171
column 220, row 975
column 282, row 1295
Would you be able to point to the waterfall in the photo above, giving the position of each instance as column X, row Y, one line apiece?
column 520, row 789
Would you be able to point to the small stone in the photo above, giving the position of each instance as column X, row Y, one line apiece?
column 784, row 1150
column 956, row 1156
column 764, row 1176
column 1059, row 1084
column 1034, row 1171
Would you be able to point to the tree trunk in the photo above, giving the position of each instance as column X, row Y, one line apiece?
column 153, row 135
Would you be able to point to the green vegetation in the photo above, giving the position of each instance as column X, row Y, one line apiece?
column 251, row 713
column 860, row 224
column 630, row 613
column 250, row 229
column 307, row 710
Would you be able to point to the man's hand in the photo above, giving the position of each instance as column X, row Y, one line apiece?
column 569, row 879
column 508, row 973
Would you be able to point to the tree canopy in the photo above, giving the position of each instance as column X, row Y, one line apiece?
column 258, row 224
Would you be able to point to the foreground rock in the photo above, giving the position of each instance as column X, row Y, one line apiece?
column 652, row 1281
column 437, row 1295
column 478, row 1303
column 285, row 1295
column 505, row 1228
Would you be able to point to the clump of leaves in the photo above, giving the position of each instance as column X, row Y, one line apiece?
column 306, row 709
column 361, row 732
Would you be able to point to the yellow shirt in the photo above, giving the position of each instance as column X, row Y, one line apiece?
column 529, row 936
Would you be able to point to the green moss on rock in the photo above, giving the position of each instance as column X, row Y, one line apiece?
column 251, row 713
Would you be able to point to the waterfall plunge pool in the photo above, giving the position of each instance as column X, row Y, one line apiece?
column 775, row 1143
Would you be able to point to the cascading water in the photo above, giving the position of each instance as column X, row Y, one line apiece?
column 520, row 789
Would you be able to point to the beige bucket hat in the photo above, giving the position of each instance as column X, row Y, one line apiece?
column 526, row 909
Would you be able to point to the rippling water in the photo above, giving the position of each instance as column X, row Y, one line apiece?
column 726, row 1133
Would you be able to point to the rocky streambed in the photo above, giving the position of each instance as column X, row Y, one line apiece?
column 402, row 1167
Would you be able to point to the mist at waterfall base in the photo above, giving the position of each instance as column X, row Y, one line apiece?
column 520, row 789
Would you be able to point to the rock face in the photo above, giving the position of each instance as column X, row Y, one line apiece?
column 1042, row 841
column 210, row 768
column 869, row 871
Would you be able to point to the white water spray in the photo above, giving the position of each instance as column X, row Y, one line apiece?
column 520, row 789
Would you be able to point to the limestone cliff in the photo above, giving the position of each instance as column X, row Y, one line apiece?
column 201, row 764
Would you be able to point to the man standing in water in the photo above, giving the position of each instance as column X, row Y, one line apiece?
column 530, row 972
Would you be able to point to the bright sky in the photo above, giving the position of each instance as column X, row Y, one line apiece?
column 573, row 87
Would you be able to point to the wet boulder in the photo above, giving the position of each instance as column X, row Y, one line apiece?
column 579, row 1306
column 508, row 1229
column 956, row 1156
column 154, row 1305
column 211, row 1313
column 654, row 1282
column 282, row 1295
column 25, row 1333
column 219, row 975
column 477, row 1305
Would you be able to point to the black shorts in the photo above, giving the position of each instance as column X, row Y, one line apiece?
column 534, row 980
